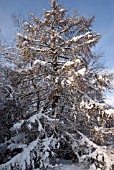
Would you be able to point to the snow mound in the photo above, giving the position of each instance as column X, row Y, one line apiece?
column 69, row 167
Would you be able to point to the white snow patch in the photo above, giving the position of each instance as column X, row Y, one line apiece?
column 19, row 35
column 77, row 61
column 40, row 62
column 91, row 41
column 26, row 24
column 68, row 64
column 71, row 63
column 18, row 124
column 21, row 159
column 15, row 146
column 93, row 167
column 110, row 112
column 62, row 10
column 69, row 167
column 76, row 38
column 82, row 71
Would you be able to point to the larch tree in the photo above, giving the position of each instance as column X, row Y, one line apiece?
column 60, row 86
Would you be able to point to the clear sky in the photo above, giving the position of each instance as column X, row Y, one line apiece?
column 102, row 9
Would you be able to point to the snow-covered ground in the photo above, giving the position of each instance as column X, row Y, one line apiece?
column 67, row 167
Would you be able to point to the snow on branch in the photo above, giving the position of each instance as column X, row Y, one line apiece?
column 71, row 63
column 82, row 71
column 110, row 112
column 88, row 35
column 23, row 159
column 89, row 103
column 33, row 119
column 18, row 125
column 19, row 36
column 40, row 50
column 22, row 38
column 47, row 144
column 91, row 154
column 40, row 62
column 26, row 159
column 87, row 38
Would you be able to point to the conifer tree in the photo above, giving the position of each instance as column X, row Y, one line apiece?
column 60, row 86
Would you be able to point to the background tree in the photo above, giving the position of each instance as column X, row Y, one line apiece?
column 60, row 88
column 10, row 109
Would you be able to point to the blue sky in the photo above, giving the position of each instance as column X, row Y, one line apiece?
column 102, row 9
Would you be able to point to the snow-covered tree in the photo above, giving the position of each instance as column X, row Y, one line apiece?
column 60, row 86
column 10, row 109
